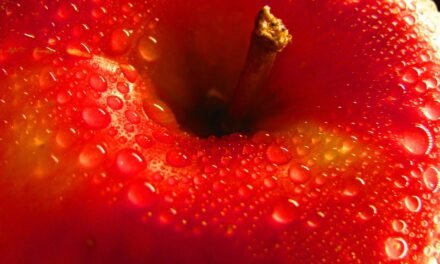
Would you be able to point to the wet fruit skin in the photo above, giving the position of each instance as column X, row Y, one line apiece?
column 95, row 169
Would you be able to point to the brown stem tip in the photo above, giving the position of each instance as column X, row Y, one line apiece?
column 269, row 37
column 271, row 30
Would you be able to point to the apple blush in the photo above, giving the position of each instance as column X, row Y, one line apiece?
column 219, row 131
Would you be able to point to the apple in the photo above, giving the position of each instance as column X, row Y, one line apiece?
column 119, row 142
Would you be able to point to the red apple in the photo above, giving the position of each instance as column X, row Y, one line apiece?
column 111, row 151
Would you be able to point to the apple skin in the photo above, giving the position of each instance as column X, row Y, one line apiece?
column 347, row 174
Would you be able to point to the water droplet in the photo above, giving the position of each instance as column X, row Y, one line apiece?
column 367, row 213
column 285, row 211
column 130, row 161
column 65, row 10
column 65, row 137
column 45, row 165
column 114, row 102
column 299, row 173
column 278, row 154
column 163, row 136
column 142, row 194
column 47, row 79
column 396, row 248
column 401, row 181
column 144, row 141
column 245, row 191
column 261, row 137
column 431, row 178
column 129, row 72
column 63, row 97
column 399, row 226
column 148, row 49
column 436, row 220
column 98, row 12
column 413, row 203
column 353, row 186
column 122, row 87
column 409, row 19
column 41, row 53
column 410, row 75
column 91, row 156
column 396, row 92
column 431, row 110
column 270, row 183
column 160, row 113
column 315, row 219
column 95, row 117
column 98, row 82
column 177, row 158
column 417, row 140
column 119, row 40
column 431, row 83
column 420, row 87
column 132, row 116
column 79, row 50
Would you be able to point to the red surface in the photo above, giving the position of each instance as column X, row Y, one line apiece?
column 95, row 170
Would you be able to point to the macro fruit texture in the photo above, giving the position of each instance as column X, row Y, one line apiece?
column 107, row 154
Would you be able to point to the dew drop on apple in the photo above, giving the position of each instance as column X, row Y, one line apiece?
column 163, row 136
column 96, row 117
column 98, row 82
column 148, row 49
column 245, row 191
column 132, row 116
column 396, row 92
column 417, row 140
column 410, row 75
column 428, row 251
column 130, row 161
column 129, row 72
column 45, row 165
column 352, row 186
column 278, row 154
column 431, row 110
column 286, row 211
column 431, row 179
column 65, row 137
column 114, row 102
column 65, row 10
column 409, row 19
column 431, row 83
column 399, row 225
column 396, row 248
column 91, row 156
column 299, row 173
column 367, row 212
column 122, row 87
column 401, row 181
column 413, row 203
column 420, row 87
column 47, row 79
column 177, row 158
column 119, row 40
column 41, row 53
column 98, row 12
column 160, row 113
column 63, row 97
column 142, row 194
column 78, row 50
column 270, row 182
column 143, row 140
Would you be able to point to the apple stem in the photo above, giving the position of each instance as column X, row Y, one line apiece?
column 269, row 38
